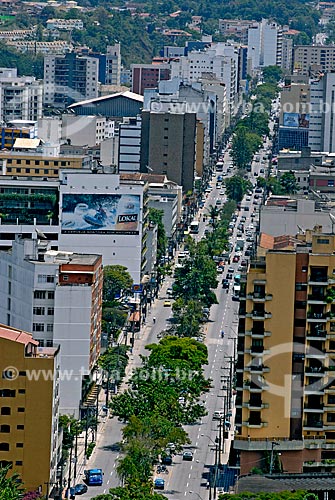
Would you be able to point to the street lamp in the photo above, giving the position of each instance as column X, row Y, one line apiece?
column 215, row 467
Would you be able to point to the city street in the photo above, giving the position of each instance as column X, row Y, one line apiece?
column 186, row 479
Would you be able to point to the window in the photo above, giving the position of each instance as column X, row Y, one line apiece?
column 330, row 417
column 5, row 428
column 50, row 311
column 51, row 295
column 304, row 269
column 38, row 327
column 7, row 393
column 65, row 277
column 9, row 287
column 19, row 445
column 322, row 241
column 21, row 410
column 300, row 304
column 5, row 410
column 9, row 303
column 4, row 446
column 20, row 427
column 18, row 462
column 10, row 272
column 39, row 311
column 22, row 373
column 45, row 278
column 22, row 391
column 49, row 343
column 50, row 327
column 300, row 287
column 39, row 294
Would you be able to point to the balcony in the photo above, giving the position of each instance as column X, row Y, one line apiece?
column 259, row 297
column 252, row 387
column 313, row 408
column 254, row 405
column 257, row 369
column 316, row 317
column 317, row 335
column 259, row 281
column 316, row 298
column 314, row 352
column 313, row 424
column 318, row 279
column 258, row 334
column 314, row 371
column 328, row 463
column 261, row 315
column 254, row 425
column 257, row 350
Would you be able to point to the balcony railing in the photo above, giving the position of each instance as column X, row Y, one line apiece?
column 259, row 405
column 255, row 425
column 313, row 424
column 316, row 297
column 257, row 369
column 312, row 278
column 322, row 334
column 316, row 315
column 259, row 297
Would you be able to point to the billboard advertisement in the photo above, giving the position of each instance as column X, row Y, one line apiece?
column 100, row 214
column 296, row 120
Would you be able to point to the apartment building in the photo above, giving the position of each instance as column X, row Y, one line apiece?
column 108, row 212
column 312, row 59
column 57, row 296
column 321, row 118
column 129, row 158
column 264, row 44
column 21, row 98
column 237, row 28
column 294, row 116
column 29, row 159
column 147, row 76
column 113, row 65
column 69, row 79
column 29, row 409
column 168, row 143
column 286, row 356
column 65, row 24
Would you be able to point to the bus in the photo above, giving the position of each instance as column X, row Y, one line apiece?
column 194, row 227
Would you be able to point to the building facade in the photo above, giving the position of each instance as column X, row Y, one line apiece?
column 285, row 386
column 312, row 59
column 147, row 76
column 29, row 408
column 168, row 146
column 321, row 118
column 57, row 296
column 69, row 79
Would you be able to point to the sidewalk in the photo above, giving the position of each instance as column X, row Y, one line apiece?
column 134, row 362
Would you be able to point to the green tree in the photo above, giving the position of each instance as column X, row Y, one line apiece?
column 240, row 151
column 156, row 216
column 288, row 183
column 272, row 74
column 173, row 352
column 137, row 490
column 117, row 281
column 187, row 315
column 282, row 495
column 10, row 485
column 236, row 187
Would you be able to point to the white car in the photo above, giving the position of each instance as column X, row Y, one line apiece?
column 222, row 192
column 248, row 198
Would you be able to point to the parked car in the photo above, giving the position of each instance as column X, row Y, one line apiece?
column 236, row 258
column 167, row 303
column 159, row 483
column 231, row 270
column 167, row 460
column 229, row 276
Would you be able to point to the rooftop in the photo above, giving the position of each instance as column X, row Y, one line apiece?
column 127, row 94
column 62, row 257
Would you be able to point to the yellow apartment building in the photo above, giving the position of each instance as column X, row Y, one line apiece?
column 29, row 400
column 286, row 359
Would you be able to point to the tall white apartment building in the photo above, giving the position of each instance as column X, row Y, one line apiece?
column 322, row 114
column 57, row 296
column 21, row 98
column 264, row 44
column 220, row 60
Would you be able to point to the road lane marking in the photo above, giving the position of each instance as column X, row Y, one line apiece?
column 104, row 490
column 108, row 481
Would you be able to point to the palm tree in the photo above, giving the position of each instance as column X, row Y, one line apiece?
column 10, row 486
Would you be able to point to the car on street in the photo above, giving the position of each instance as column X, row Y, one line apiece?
column 244, row 263
column 248, row 198
column 167, row 303
column 236, row 258
column 169, row 291
column 247, row 253
column 239, row 234
column 229, row 276
column 218, row 414
column 80, row 489
column 208, row 190
column 218, row 203
column 231, row 270
column 249, row 239
column 222, row 192
column 188, row 455
column 166, row 460
column 159, row 483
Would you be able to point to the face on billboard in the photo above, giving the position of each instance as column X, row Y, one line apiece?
column 100, row 213
column 296, row 120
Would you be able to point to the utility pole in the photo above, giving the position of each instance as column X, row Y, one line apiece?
column 216, row 469
column 70, row 472
column 273, row 444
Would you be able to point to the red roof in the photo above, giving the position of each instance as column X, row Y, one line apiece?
column 9, row 333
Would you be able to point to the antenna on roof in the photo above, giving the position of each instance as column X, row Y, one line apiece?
column 301, row 230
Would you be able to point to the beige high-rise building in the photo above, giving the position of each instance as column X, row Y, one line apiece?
column 29, row 403
column 286, row 357
column 313, row 58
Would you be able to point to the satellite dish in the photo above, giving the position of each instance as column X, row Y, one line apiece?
column 40, row 234
column 301, row 230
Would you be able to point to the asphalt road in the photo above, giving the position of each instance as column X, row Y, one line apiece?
column 186, row 478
